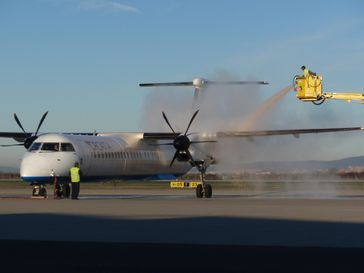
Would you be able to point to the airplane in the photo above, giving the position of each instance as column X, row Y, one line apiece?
column 124, row 155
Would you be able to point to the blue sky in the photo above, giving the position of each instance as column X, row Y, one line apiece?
column 83, row 59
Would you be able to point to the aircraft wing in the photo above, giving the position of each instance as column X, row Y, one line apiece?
column 19, row 137
column 294, row 132
column 159, row 136
column 251, row 134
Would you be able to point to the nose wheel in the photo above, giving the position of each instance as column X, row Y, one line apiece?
column 39, row 191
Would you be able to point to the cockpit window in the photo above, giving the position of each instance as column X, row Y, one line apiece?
column 35, row 147
column 67, row 147
column 50, row 146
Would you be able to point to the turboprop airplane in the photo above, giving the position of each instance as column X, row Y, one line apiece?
column 144, row 155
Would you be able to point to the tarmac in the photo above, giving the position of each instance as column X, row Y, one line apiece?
column 165, row 230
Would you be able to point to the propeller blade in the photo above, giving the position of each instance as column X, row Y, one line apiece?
column 174, row 158
column 41, row 122
column 11, row 145
column 19, row 123
column 193, row 117
column 165, row 118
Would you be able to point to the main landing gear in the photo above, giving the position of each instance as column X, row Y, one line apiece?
column 202, row 189
column 63, row 190
column 39, row 191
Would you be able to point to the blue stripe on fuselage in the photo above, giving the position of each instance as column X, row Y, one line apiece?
column 48, row 179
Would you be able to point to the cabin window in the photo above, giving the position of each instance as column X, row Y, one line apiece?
column 50, row 146
column 67, row 147
column 35, row 147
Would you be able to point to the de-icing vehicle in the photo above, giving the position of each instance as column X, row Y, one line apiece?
column 310, row 88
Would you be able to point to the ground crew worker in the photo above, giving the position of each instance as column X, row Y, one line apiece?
column 75, row 174
column 307, row 72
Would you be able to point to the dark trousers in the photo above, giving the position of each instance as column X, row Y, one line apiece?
column 75, row 190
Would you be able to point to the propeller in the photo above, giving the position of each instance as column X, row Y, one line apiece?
column 182, row 142
column 29, row 137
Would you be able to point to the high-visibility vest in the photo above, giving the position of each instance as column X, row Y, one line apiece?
column 75, row 174
column 305, row 72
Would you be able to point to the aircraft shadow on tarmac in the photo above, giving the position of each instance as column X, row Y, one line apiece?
column 224, row 244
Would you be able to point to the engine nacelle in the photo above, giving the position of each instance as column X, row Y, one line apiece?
column 198, row 82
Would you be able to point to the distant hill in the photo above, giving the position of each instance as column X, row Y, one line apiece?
column 307, row 165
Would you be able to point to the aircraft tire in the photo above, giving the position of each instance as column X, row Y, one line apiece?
column 43, row 192
column 34, row 191
column 199, row 191
column 66, row 193
column 208, row 191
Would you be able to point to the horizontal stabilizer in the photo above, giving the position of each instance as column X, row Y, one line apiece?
column 199, row 83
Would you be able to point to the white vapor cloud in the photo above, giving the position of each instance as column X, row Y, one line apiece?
column 107, row 5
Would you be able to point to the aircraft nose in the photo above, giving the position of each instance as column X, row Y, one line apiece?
column 34, row 167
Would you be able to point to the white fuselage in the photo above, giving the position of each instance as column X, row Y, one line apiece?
column 122, row 155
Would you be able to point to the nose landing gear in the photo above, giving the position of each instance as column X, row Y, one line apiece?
column 39, row 191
